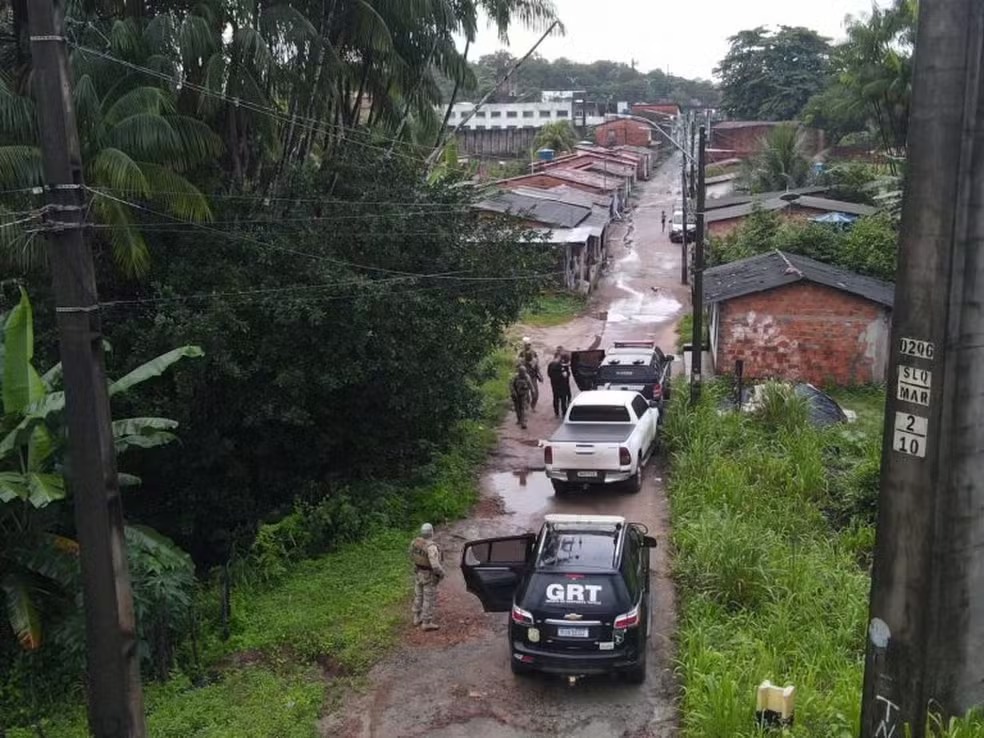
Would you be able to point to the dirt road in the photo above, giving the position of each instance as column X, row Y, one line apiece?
column 457, row 682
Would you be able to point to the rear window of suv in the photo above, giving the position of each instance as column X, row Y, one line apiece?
column 574, row 591
column 626, row 373
column 599, row 414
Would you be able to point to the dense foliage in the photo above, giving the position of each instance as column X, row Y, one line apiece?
column 871, row 80
column 780, row 164
column 869, row 246
column 771, row 75
column 602, row 81
column 257, row 187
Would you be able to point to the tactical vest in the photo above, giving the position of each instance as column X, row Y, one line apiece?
column 418, row 552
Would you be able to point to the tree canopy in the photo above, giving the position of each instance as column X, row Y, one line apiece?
column 770, row 75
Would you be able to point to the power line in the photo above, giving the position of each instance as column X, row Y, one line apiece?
column 312, row 125
column 295, row 252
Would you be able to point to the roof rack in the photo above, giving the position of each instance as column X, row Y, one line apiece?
column 635, row 344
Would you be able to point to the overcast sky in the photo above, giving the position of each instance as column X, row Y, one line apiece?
column 684, row 37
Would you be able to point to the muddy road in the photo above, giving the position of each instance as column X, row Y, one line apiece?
column 457, row 681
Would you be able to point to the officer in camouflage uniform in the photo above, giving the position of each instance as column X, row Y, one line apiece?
column 531, row 361
column 428, row 573
column 521, row 390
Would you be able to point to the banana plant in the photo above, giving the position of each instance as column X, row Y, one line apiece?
column 36, row 564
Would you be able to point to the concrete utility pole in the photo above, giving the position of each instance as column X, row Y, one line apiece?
column 112, row 662
column 697, row 352
column 926, row 625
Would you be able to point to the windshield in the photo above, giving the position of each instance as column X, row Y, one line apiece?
column 677, row 218
column 599, row 414
column 577, row 549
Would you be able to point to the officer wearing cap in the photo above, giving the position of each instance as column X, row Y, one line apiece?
column 428, row 573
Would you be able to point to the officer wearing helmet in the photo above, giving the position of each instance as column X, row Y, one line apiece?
column 428, row 573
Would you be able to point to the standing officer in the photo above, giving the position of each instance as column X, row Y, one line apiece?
column 428, row 573
column 559, row 375
column 520, row 389
column 532, row 363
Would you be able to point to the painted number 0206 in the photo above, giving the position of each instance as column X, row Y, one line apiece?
column 919, row 349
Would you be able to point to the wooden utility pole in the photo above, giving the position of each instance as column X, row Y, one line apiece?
column 112, row 662
column 685, row 258
column 697, row 350
column 926, row 621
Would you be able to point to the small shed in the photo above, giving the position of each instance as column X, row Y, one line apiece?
column 794, row 318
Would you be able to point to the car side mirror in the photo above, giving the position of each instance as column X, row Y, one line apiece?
column 671, row 358
column 649, row 542
column 653, row 403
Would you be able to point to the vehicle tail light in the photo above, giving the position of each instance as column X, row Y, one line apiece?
column 624, row 456
column 547, row 455
column 657, row 391
column 521, row 616
column 628, row 619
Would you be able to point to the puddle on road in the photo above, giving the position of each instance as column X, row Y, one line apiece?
column 652, row 308
column 529, row 494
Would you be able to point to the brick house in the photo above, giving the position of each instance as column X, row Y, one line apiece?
column 793, row 318
column 659, row 110
column 742, row 139
column 624, row 132
column 590, row 182
column 790, row 205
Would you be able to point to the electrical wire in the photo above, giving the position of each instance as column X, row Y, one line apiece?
column 313, row 126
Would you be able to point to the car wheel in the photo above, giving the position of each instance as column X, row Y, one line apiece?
column 637, row 674
column 635, row 482
column 560, row 488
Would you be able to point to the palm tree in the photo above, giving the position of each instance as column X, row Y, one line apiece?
column 780, row 163
column 135, row 145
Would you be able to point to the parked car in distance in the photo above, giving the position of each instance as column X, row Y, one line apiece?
column 606, row 437
column 639, row 366
column 676, row 227
column 578, row 594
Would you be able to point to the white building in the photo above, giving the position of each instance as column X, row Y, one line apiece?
column 494, row 116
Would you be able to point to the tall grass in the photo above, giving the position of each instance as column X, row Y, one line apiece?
column 773, row 528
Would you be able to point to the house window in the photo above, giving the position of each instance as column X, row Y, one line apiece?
column 495, row 114
column 510, row 113
column 480, row 114
column 561, row 113
column 496, row 128
column 527, row 113
column 544, row 113
column 479, row 128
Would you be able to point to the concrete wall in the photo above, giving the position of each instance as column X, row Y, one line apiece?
column 803, row 332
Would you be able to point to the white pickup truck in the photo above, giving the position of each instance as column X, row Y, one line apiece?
column 607, row 436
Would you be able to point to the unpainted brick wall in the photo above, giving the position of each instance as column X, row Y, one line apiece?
column 804, row 332
column 623, row 132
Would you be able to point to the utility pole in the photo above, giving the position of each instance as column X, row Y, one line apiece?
column 697, row 352
column 692, row 118
column 112, row 662
column 685, row 258
column 926, row 614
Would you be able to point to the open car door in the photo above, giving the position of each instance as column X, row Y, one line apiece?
column 493, row 567
column 585, row 366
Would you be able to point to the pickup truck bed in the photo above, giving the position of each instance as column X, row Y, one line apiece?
column 592, row 433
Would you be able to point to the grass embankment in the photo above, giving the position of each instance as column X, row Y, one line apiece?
column 773, row 528
column 554, row 308
column 299, row 637
column 685, row 331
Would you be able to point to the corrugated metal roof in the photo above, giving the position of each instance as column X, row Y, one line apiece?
column 716, row 203
column 581, row 176
column 780, row 203
column 776, row 268
column 550, row 212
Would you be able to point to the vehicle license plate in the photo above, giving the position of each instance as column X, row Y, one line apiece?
column 588, row 475
column 572, row 632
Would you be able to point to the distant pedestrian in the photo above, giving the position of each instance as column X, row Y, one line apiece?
column 428, row 573
column 559, row 374
column 662, row 220
column 520, row 389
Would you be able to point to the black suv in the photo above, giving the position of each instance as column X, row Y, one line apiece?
column 578, row 594
column 639, row 366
